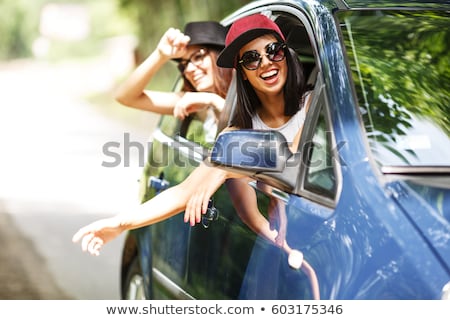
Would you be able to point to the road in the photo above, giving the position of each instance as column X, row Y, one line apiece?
column 52, row 180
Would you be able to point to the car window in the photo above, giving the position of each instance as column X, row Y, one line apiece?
column 319, row 181
column 298, row 39
column 169, row 125
column 201, row 128
column 320, row 176
column 401, row 71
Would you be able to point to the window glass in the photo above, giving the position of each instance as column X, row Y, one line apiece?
column 202, row 128
column 169, row 125
column 400, row 66
column 320, row 174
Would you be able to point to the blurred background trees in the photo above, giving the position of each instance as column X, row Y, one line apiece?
column 100, row 41
column 122, row 32
column 153, row 17
column 22, row 25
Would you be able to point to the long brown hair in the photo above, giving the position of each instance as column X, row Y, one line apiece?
column 248, row 101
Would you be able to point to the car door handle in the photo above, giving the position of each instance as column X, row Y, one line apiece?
column 212, row 214
column 159, row 184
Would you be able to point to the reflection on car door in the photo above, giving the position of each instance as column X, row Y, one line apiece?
column 207, row 263
column 217, row 255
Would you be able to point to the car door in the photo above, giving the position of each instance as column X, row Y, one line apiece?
column 178, row 147
column 270, row 274
column 221, row 257
column 165, row 244
column 201, row 262
column 218, row 249
column 324, row 229
column 210, row 262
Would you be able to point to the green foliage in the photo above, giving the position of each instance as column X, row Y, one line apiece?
column 153, row 17
column 147, row 19
column 18, row 26
column 401, row 73
column 406, row 61
column 20, row 23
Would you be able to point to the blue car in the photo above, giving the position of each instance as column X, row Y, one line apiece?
column 366, row 198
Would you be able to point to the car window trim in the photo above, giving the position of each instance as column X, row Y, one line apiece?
column 307, row 135
column 181, row 144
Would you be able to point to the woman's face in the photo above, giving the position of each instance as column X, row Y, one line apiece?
column 197, row 67
column 269, row 76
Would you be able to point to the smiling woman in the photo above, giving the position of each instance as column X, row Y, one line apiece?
column 195, row 50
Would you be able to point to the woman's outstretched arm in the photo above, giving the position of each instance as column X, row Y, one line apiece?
column 164, row 205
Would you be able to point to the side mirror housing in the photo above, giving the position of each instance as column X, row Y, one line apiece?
column 262, row 154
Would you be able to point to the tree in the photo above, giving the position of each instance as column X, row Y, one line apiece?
column 154, row 17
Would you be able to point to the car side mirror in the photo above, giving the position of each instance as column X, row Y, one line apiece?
column 262, row 154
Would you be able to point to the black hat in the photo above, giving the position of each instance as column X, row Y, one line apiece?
column 208, row 33
column 243, row 31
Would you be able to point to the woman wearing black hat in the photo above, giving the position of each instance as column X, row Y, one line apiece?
column 195, row 50
column 270, row 94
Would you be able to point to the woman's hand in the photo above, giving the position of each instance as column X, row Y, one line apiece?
column 192, row 102
column 97, row 234
column 208, row 182
column 173, row 43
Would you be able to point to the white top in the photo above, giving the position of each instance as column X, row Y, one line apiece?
column 289, row 129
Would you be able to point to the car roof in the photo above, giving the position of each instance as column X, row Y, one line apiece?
column 384, row 4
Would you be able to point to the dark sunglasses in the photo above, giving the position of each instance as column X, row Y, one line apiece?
column 275, row 51
column 196, row 59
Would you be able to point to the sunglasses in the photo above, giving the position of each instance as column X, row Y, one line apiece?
column 196, row 59
column 275, row 51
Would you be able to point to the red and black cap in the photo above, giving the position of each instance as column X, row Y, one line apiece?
column 243, row 31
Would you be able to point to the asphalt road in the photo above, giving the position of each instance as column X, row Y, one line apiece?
column 52, row 180
column 23, row 276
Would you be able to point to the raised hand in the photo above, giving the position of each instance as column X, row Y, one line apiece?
column 173, row 43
